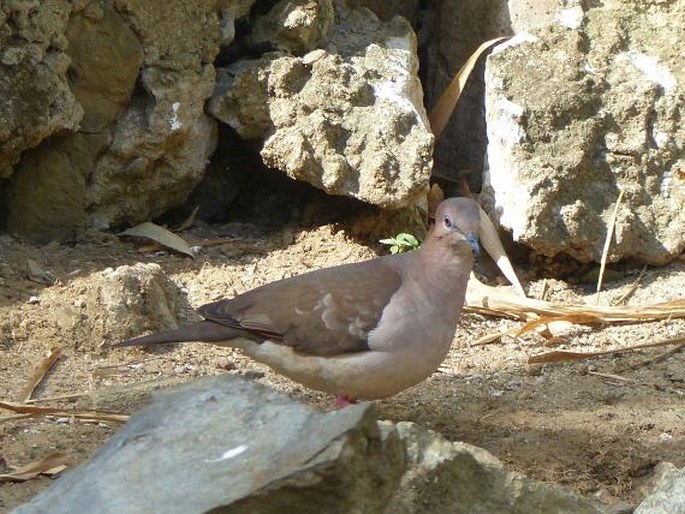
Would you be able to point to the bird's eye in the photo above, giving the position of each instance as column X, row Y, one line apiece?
column 447, row 222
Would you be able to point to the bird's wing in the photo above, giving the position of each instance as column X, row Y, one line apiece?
column 325, row 312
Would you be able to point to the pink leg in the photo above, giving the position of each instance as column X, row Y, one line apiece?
column 343, row 401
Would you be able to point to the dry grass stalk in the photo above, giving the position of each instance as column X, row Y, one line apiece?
column 495, row 336
column 633, row 287
column 565, row 355
column 657, row 358
column 494, row 302
column 607, row 243
column 87, row 416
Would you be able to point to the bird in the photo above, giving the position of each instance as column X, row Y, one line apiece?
column 360, row 331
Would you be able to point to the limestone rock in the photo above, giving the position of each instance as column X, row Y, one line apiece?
column 227, row 444
column 295, row 26
column 132, row 299
column 444, row 476
column 114, row 304
column 36, row 99
column 576, row 112
column 347, row 118
column 46, row 198
column 386, row 9
column 121, row 302
column 138, row 90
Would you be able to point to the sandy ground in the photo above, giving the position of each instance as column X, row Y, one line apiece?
column 598, row 426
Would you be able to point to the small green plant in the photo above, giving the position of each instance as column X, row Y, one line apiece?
column 401, row 243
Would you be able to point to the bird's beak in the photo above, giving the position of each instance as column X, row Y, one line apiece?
column 472, row 238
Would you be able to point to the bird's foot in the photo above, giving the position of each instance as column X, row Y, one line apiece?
column 343, row 401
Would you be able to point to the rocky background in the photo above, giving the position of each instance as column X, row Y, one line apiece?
column 115, row 112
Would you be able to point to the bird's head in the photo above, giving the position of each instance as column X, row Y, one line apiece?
column 456, row 224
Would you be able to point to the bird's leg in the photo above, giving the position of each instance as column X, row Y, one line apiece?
column 343, row 401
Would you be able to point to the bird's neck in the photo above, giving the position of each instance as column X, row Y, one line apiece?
column 443, row 266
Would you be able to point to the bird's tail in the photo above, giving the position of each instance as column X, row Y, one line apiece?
column 202, row 331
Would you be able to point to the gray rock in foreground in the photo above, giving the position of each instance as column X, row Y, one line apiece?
column 668, row 497
column 231, row 445
column 228, row 445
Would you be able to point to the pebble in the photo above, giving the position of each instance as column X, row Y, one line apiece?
column 253, row 374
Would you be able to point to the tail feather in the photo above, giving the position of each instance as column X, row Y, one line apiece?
column 202, row 331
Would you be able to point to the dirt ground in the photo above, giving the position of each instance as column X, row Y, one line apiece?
column 599, row 426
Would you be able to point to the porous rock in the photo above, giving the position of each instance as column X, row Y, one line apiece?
column 578, row 111
column 130, row 91
column 347, row 117
column 117, row 303
column 37, row 101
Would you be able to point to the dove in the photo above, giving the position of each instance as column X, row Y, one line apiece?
column 360, row 331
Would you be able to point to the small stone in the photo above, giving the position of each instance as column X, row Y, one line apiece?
column 287, row 237
column 253, row 374
column 513, row 384
column 313, row 56
column 12, row 56
column 227, row 366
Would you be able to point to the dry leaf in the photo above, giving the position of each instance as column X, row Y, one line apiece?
column 52, row 464
column 37, row 274
column 39, row 373
column 557, row 321
column 487, row 233
column 160, row 235
column 561, row 355
column 441, row 112
column 88, row 416
column 564, row 355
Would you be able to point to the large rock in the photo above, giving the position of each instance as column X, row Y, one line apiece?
column 295, row 26
column 226, row 444
column 347, row 118
column 138, row 90
column 47, row 195
column 36, row 98
column 577, row 112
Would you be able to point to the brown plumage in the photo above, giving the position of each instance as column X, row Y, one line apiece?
column 364, row 330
